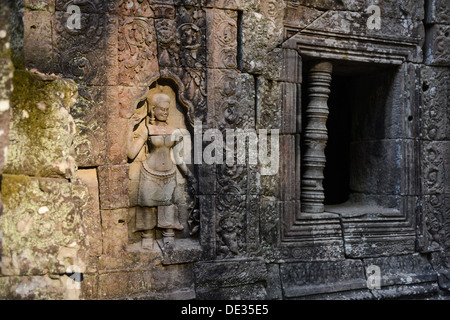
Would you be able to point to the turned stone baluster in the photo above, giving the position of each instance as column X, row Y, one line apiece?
column 315, row 138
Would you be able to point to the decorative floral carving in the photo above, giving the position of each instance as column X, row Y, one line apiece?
column 85, row 54
column 168, row 50
column 82, row 67
column 230, row 227
column 433, row 209
column 137, row 51
column 90, row 6
column 435, row 82
column 433, row 168
column 231, row 179
column 223, row 39
column 272, row 10
column 191, row 36
column 233, row 95
column 269, row 104
column 135, row 8
column 436, row 45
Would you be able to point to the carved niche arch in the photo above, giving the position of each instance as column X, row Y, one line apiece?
column 169, row 79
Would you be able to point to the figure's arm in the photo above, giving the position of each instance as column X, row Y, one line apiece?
column 178, row 156
column 177, row 152
column 136, row 139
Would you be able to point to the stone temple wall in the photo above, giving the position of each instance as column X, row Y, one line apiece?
column 358, row 208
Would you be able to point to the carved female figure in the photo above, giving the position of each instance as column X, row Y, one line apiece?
column 160, row 184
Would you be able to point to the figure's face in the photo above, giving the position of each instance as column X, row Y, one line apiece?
column 161, row 111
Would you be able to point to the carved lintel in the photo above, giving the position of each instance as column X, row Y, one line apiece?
column 316, row 136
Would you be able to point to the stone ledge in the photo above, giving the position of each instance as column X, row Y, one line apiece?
column 311, row 278
column 182, row 294
column 185, row 251
column 229, row 273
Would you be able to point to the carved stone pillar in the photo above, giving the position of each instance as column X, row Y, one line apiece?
column 315, row 138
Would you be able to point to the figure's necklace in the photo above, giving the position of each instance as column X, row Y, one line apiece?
column 162, row 129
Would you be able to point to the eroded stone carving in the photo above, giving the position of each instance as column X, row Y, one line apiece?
column 158, row 143
column 84, row 54
column 46, row 152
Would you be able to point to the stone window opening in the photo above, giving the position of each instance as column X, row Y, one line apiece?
column 362, row 150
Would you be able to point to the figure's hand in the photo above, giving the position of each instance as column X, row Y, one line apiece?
column 135, row 119
column 140, row 133
column 190, row 175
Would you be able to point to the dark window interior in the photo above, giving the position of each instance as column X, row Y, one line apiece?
column 361, row 134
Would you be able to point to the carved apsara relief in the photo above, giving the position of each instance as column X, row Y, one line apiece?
column 158, row 149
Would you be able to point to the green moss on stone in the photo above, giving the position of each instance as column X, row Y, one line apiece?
column 42, row 129
column 41, row 225
column 11, row 187
column 36, row 6
column 5, row 50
